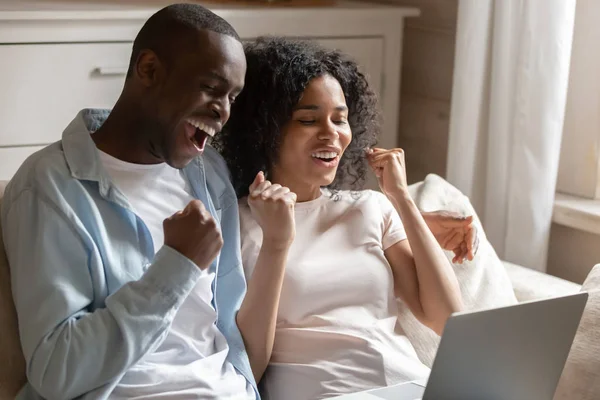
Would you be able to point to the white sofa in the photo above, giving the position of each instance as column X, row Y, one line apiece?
column 527, row 284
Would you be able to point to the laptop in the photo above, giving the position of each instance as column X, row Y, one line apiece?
column 509, row 353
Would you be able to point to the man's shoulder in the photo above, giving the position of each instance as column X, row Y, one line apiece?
column 212, row 156
column 218, row 178
column 43, row 170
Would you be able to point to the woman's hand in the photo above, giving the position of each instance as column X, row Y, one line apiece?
column 272, row 206
column 452, row 232
column 390, row 169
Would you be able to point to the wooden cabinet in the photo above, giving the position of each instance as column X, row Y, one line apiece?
column 57, row 58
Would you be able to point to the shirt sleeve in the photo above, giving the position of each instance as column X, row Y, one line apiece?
column 70, row 348
column 393, row 229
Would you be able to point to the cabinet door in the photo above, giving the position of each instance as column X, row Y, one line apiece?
column 367, row 52
column 45, row 85
column 11, row 159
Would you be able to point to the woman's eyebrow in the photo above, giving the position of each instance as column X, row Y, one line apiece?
column 314, row 107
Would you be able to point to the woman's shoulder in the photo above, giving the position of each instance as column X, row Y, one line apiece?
column 246, row 217
column 250, row 231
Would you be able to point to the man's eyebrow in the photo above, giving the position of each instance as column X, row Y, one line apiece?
column 224, row 81
column 220, row 77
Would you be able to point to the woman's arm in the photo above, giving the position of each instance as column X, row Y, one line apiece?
column 273, row 208
column 423, row 277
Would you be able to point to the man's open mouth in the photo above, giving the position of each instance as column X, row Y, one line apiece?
column 201, row 133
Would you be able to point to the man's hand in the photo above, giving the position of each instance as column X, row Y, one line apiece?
column 194, row 233
column 272, row 206
column 454, row 233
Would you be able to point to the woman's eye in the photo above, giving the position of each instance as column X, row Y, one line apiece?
column 306, row 121
column 340, row 122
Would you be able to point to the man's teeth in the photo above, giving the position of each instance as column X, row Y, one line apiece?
column 202, row 126
column 324, row 155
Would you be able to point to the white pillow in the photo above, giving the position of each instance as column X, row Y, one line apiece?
column 581, row 377
column 484, row 282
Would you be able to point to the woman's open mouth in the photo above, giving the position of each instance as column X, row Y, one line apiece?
column 328, row 159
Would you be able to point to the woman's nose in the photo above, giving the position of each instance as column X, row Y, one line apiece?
column 328, row 132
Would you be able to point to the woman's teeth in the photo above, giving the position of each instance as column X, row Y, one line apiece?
column 324, row 155
column 202, row 126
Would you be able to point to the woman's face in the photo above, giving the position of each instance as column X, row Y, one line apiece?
column 315, row 138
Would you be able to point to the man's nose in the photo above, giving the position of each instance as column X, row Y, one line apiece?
column 221, row 108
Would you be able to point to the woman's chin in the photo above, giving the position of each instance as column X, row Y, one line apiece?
column 318, row 178
column 326, row 180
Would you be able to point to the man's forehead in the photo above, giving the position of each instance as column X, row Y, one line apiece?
column 214, row 48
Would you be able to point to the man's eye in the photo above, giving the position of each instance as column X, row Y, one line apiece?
column 306, row 121
column 340, row 122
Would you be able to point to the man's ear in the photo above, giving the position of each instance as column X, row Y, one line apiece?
column 148, row 68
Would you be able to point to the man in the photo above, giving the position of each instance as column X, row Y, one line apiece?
column 105, row 310
column 112, row 302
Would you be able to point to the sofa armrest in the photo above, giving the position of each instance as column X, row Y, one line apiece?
column 529, row 284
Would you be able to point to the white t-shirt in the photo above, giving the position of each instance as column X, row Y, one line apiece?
column 191, row 362
column 336, row 326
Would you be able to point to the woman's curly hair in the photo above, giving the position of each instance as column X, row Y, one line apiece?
column 278, row 72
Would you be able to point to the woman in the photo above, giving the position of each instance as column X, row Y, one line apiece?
column 325, row 265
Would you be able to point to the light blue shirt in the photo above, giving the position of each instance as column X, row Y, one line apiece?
column 92, row 297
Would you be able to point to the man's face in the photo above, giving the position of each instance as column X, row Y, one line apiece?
column 192, row 99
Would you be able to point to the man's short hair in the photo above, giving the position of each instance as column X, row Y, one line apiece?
column 174, row 24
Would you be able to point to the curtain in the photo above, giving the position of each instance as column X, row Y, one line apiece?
column 508, row 103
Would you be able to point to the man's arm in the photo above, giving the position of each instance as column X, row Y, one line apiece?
column 68, row 349
column 454, row 233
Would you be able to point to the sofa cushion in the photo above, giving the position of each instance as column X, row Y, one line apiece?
column 484, row 282
column 12, row 365
column 529, row 284
column 581, row 376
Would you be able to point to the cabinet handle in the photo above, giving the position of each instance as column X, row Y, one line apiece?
column 110, row 71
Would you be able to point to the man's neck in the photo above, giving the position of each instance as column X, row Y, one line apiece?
column 120, row 137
